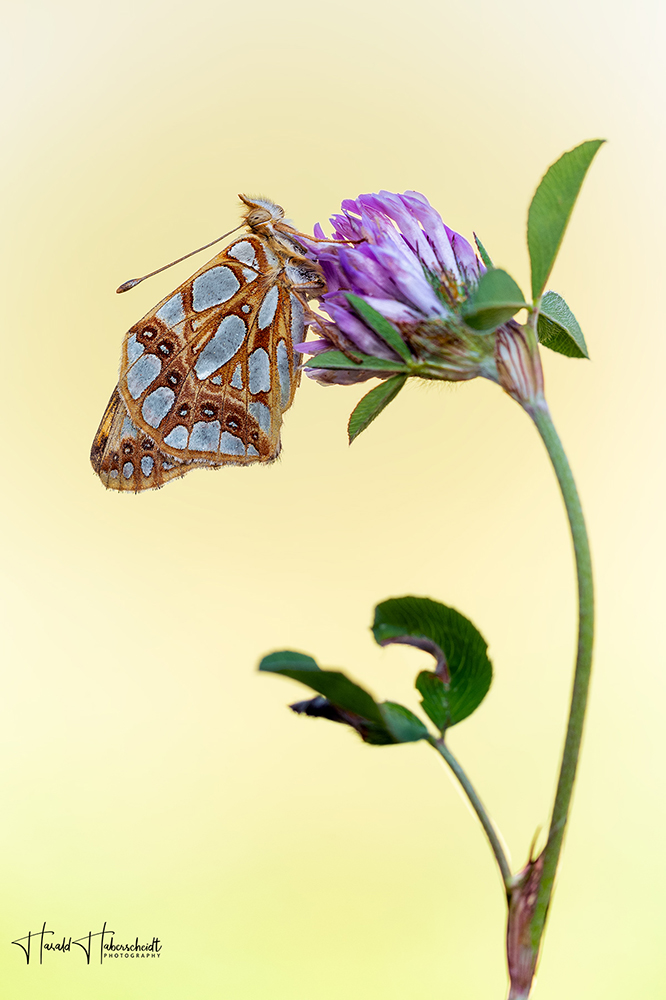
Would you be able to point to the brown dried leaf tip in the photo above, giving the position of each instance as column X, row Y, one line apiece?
column 521, row 956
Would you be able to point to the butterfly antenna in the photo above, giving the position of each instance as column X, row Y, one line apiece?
column 126, row 285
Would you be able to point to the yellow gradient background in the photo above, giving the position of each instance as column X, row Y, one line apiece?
column 150, row 777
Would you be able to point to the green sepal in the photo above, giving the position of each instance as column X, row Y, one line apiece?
column 466, row 671
column 558, row 328
column 483, row 253
column 337, row 360
column 372, row 405
column 551, row 209
column 381, row 326
column 495, row 300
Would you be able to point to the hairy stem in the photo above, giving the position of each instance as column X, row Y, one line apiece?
column 479, row 809
column 581, row 683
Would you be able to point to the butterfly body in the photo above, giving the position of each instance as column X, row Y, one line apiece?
column 206, row 375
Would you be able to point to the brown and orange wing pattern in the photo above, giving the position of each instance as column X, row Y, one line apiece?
column 209, row 371
column 125, row 457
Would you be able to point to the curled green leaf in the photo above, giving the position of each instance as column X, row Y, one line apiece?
column 342, row 700
column 333, row 684
column 558, row 328
column 468, row 674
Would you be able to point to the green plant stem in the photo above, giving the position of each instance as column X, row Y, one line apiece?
column 581, row 683
column 479, row 809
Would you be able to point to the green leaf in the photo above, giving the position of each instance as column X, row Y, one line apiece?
column 347, row 702
column 434, row 699
column 333, row 684
column 372, row 405
column 496, row 299
column 286, row 659
column 381, row 326
column 483, row 253
column 551, row 209
column 336, row 360
column 431, row 624
column 403, row 725
column 558, row 328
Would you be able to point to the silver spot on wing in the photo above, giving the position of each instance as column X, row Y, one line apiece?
column 260, row 371
column 134, row 349
column 172, row 312
column 213, row 287
column 262, row 415
column 268, row 307
column 177, row 438
column 128, row 428
column 142, row 373
column 157, row 405
column 229, row 336
column 297, row 320
column 205, row 435
column 283, row 372
column 244, row 252
column 231, row 445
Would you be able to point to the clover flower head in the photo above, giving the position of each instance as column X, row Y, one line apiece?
column 395, row 252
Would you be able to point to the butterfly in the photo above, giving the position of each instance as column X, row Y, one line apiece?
column 206, row 375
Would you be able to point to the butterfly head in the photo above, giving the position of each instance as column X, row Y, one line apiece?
column 260, row 211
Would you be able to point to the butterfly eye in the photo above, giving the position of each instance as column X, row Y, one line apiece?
column 148, row 332
column 147, row 444
column 128, row 448
column 207, row 410
column 233, row 423
column 165, row 348
column 258, row 217
column 173, row 378
column 183, row 410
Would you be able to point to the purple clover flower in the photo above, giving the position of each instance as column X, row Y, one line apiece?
column 410, row 267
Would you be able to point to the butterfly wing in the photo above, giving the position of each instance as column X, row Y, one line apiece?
column 209, row 372
column 125, row 457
